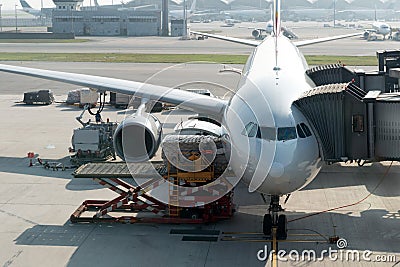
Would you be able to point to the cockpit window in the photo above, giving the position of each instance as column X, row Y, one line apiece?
column 266, row 133
column 286, row 133
column 306, row 129
column 250, row 129
column 300, row 131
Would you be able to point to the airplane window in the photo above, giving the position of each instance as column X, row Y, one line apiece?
column 286, row 133
column 306, row 129
column 266, row 133
column 250, row 130
column 300, row 132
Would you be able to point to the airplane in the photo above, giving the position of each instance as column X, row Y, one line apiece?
column 378, row 27
column 178, row 14
column 28, row 9
column 123, row 6
column 257, row 33
column 269, row 142
column 244, row 13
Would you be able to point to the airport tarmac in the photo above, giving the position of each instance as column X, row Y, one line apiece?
column 305, row 30
column 35, row 204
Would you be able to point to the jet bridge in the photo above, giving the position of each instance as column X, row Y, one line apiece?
column 354, row 114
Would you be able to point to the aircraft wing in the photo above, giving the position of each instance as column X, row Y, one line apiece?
column 298, row 43
column 195, row 102
column 252, row 28
column 229, row 39
column 325, row 39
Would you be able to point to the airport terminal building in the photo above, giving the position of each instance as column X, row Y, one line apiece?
column 69, row 18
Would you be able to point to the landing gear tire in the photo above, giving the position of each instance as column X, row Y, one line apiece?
column 281, row 232
column 271, row 219
column 267, row 225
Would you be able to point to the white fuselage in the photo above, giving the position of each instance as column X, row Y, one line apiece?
column 270, row 27
column 381, row 28
column 245, row 13
column 275, row 160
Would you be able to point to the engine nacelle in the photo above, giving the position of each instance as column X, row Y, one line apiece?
column 137, row 138
column 366, row 35
column 255, row 33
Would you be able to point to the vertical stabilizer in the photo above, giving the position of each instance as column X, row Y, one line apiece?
column 193, row 7
column 25, row 5
column 277, row 29
column 277, row 17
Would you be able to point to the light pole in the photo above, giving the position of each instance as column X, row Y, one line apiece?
column 1, row 20
column 184, row 20
column 334, row 13
column 16, row 19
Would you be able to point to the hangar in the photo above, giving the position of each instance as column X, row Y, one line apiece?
column 69, row 18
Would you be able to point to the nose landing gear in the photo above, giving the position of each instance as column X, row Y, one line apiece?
column 274, row 220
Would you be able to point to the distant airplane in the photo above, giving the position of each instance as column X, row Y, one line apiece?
column 257, row 33
column 245, row 13
column 378, row 28
column 178, row 14
column 28, row 9
column 124, row 6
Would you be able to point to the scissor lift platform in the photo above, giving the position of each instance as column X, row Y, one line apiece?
column 133, row 203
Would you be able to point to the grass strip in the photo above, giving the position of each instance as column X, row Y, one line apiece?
column 174, row 58
column 42, row 41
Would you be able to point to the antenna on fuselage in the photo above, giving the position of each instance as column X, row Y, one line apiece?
column 277, row 29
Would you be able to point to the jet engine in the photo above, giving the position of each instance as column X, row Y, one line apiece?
column 366, row 35
column 256, row 33
column 137, row 138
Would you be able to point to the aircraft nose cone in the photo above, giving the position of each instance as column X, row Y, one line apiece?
column 277, row 170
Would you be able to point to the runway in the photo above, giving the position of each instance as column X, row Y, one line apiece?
column 35, row 204
column 305, row 30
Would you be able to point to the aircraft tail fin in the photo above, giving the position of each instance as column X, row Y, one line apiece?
column 193, row 6
column 25, row 4
column 277, row 17
column 277, row 28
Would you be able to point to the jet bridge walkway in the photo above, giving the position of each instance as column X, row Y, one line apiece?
column 354, row 114
column 352, row 124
